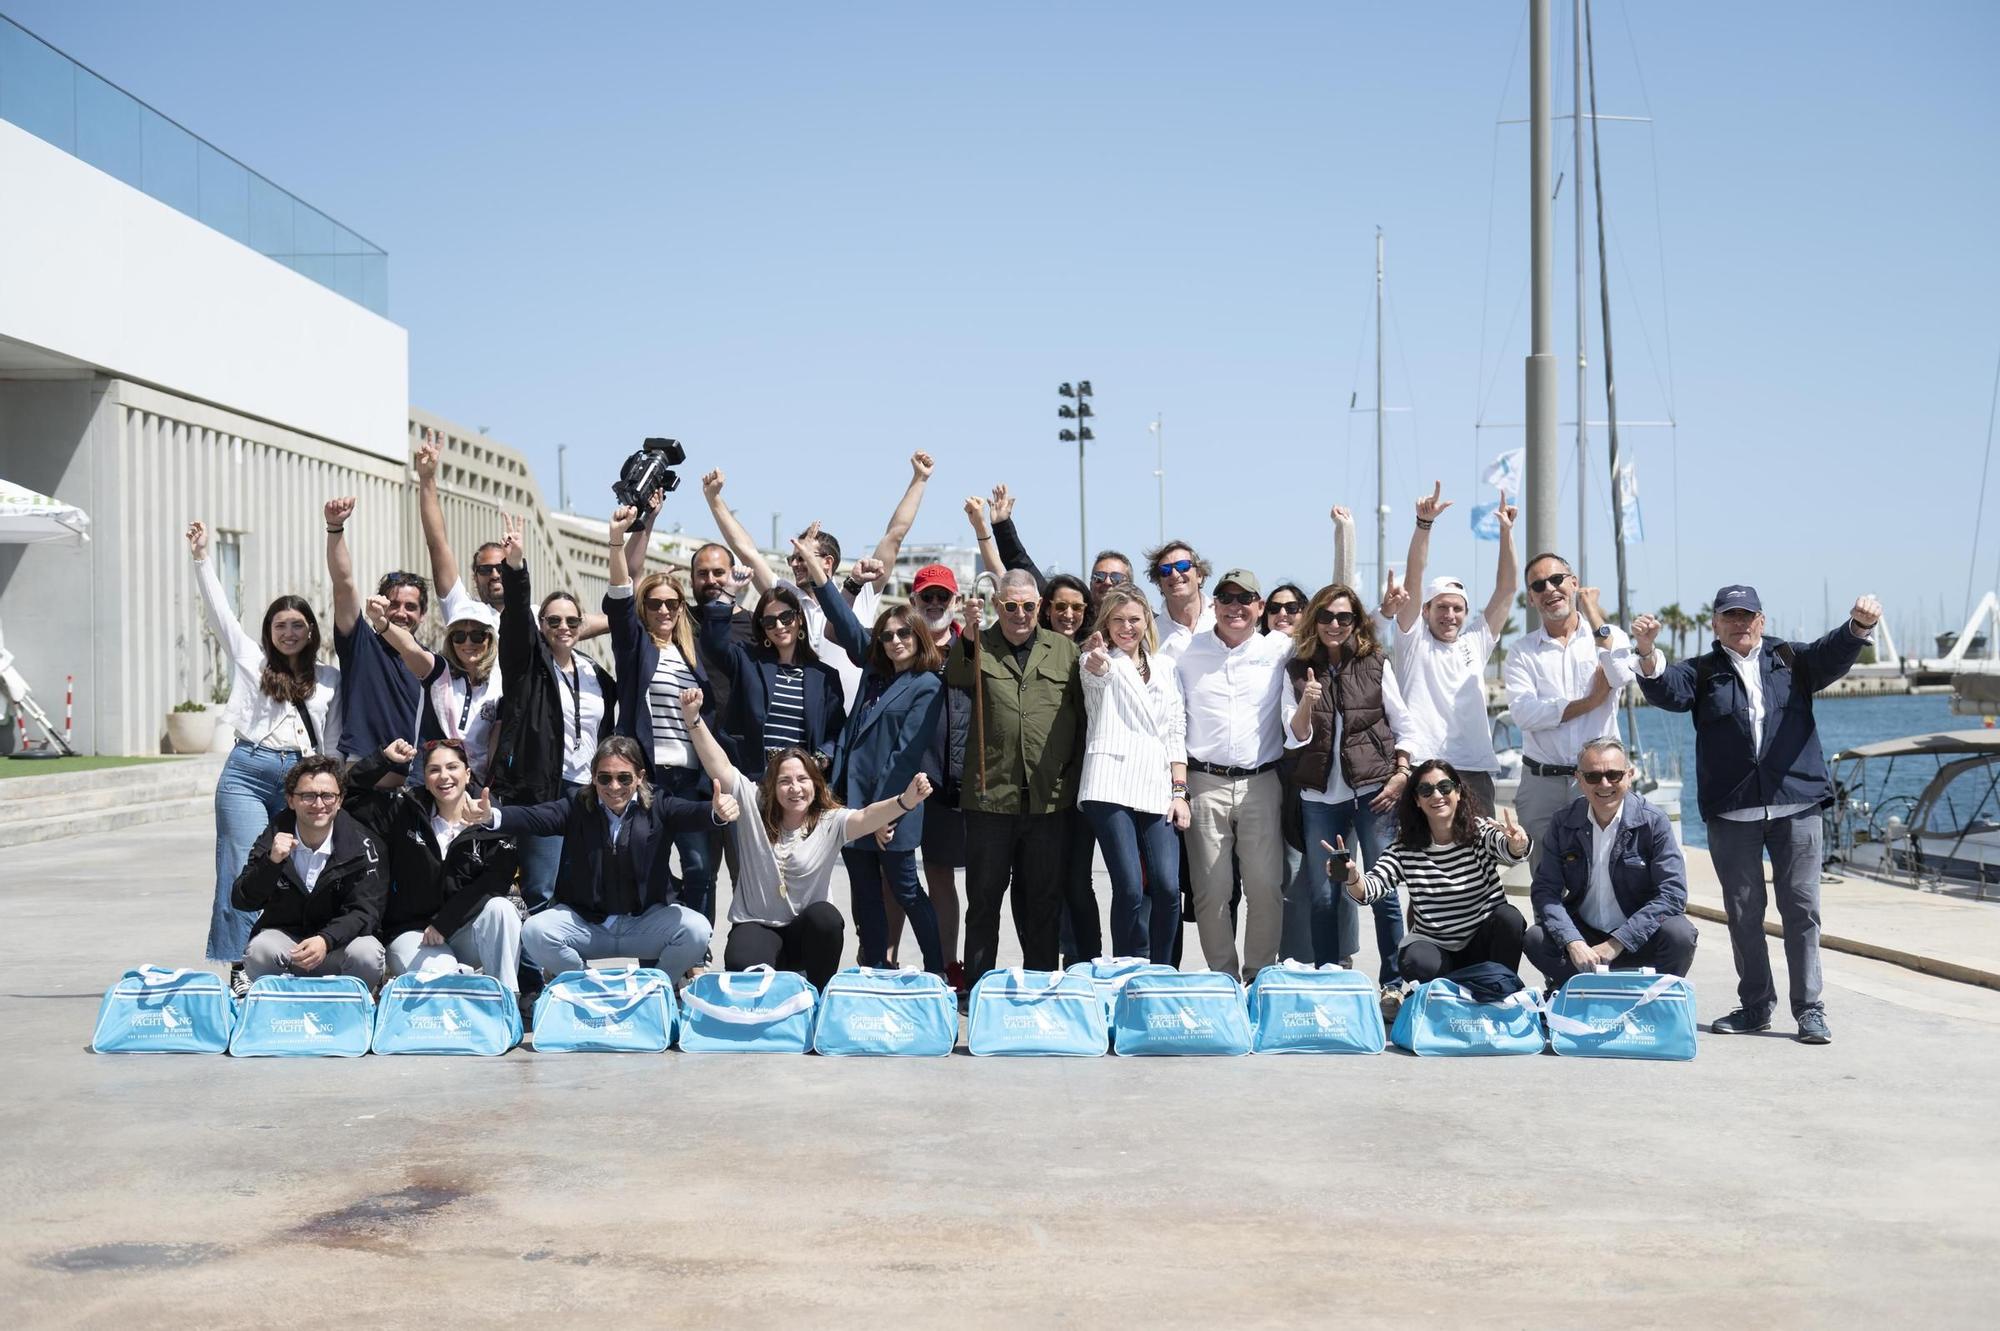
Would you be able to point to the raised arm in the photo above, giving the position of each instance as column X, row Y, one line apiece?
column 1507, row 579
column 905, row 516
column 340, row 565
column 518, row 630
column 982, row 535
column 1343, row 550
column 881, row 813
column 734, row 535
column 399, row 639
column 1007, row 538
column 430, row 516
column 713, row 760
column 620, row 572
column 1428, row 508
column 243, row 649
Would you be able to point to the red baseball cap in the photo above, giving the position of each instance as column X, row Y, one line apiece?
column 934, row 575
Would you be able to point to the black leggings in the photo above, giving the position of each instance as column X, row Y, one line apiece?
column 1498, row 939
column 811, row 944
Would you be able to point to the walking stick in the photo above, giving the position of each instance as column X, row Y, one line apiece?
column 980, row 586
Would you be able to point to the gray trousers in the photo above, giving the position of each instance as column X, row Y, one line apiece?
column 269, row 951
column 1537, row 803
column 1737, row 850
column 1237, row 815
column 558, row 939
column 491, row 941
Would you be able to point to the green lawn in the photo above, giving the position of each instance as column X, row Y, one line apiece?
column 51, row 766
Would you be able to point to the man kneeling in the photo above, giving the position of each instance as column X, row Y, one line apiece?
column 1611, row 888
column 316, row 876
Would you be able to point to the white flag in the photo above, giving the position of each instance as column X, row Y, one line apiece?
column 1628, row 502
column 1506, row 471
column 1152, row 427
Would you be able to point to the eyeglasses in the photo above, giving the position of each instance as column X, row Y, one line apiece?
column 1443, row 786
column 1020, row 607
column 1236, row 598
column 784, row 619
column 1340, row 617
column 899, row 635
column 490, row 570
column 1540, row 585
column 935, row 596
column 663, row 604
column 316, row 796
column 1178, row 566
column 461, row 636
column 1603, row 778
column 1282, row 607
column 1111, row 578
column 614, row 778
column 563, row 621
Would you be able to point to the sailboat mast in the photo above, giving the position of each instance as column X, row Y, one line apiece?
column 1540, row 482
column 1604, row 301
column 1582, row 327
column 1381, row 497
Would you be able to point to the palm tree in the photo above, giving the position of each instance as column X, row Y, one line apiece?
column 1705, row 621
column 1676, row 622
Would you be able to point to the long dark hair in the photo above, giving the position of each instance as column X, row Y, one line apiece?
column 1413, row 829
column 802, row 651
column 1360, row 638
column 823, row 800
column 1061, row 582
column 290, row 679
column 1264, row 620
column 927, row 656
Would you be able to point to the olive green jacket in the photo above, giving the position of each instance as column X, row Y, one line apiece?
column 1033, row 720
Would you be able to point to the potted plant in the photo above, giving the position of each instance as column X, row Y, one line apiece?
column 190, row 727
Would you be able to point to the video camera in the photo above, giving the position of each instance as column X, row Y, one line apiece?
column 649, row 469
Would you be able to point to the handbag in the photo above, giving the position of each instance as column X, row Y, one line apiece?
column 1298, row 1008
column 1181, row 1012
column 444, row 1012
column 1623, row 1014
column 908, row 1013
column 161, row 1010
column 304, row 1016
column 753, row 1011
column 1053, row 1013
column 1109, row 974
column 1443, row 1017
column 616, row 1010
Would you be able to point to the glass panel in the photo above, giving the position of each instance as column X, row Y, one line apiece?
column 107, row 128
column 168, row 163
column 375, row 283
column 225, row 193
column 37, row 87
column 312, row 241
column 270, row 218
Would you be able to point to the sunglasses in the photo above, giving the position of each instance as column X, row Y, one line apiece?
column 936, row 596
column 662, row 604
column 1178, row 566
column 1540, row 585
column 461, row 636
column 317, row 796
column 1110, row 578
column 1019, row 607
column 1236, row 598
column 1426, row 789
column 563, row 621
column 1340, row 617
column 1283, row 607
column 898, row 635
column 1602, row 778
column 614, row 778
column 784, row 619
column 490, row 570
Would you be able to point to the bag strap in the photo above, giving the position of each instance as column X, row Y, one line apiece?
column 762, row 987
column 1019, row 975
column 1564, row 1025
column 306, row 720
column 155, row 977
column 791, row 1007
column 619, row 1003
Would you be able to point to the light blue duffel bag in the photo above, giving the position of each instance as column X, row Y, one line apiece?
column 1442, row 1017
column 304, row 1016
column 895, row 1012
column 160, row 1010
column 444, row 1012
column 1181, row 1012
column 754, row 1011
column 1623, row 1014
column 1297, row 1008
column 616, row 1010
column 1036, row 1012
column 1108, row 975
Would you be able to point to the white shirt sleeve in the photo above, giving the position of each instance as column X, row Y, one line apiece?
column 454, row 603
column 1616, row 656
column 1525, row 703
column 1639, row 670
column 1285, row 717
column 243, row 649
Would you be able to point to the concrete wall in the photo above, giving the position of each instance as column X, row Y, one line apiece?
column 102, row 273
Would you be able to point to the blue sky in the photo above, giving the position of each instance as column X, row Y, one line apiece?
column 807, row 239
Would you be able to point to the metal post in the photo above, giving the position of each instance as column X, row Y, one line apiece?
column 1381, row 496
column 562, row 477
column 1582, row 328
column 1540, row 481
column 1160, row 472
column 1082, row 537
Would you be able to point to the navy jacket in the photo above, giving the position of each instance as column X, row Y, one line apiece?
column 580, row 822
column 888, row 742
column 344, row 904
column 636, row 658
column 1791, row 767
column 535, row 702
column 753, row 675
column 427, row 887
column 1648, row 873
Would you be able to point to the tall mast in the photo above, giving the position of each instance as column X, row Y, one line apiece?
column 1604, row 303
column 1582, row 328
column 1540, row 481
column 1381, row 498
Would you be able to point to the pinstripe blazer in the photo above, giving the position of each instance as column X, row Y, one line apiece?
column 1136, row 728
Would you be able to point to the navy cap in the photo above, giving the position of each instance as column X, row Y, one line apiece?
column 1738, row 597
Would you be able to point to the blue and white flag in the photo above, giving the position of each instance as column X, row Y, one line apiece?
column 1507, row 471
column 1486, row 521
column 1628, row 502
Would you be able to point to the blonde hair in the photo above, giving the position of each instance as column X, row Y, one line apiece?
column 482, row 665
column 1121, row 595
column 683, row 622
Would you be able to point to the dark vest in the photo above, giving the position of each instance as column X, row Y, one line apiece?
column 1367, row 749
column 621, row 882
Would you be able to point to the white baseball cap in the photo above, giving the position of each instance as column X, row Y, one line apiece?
column 1437, row 587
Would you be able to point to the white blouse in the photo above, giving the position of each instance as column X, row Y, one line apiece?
column 255, row 716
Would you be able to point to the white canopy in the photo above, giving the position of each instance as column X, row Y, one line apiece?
column 27, row 517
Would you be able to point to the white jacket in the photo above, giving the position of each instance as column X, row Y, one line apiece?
column 1136, row 728
column 255, row 716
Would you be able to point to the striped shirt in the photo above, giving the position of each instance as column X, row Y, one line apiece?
column 1451, row 889
column 785, row 723
column 663, row 697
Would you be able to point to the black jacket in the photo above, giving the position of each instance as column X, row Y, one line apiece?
column 445, row 891
column 344, row 904
column 527, row 759
column 579, row 820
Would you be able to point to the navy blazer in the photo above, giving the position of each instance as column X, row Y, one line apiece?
column 637, row 658
column 579, row 820
column 1790, row 768
column 753, row 676
column 887, row 743
column 1648, row 873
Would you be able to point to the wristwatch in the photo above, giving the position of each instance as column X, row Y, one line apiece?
column 1601, row 631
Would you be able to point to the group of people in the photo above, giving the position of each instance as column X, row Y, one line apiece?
column 1270, row 766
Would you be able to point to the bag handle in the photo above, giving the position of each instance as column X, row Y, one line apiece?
column 1019, row 975
column 155, row 977
column 1294, row 964
column 616, row 1004
column 802, row 1001
column 757, row 990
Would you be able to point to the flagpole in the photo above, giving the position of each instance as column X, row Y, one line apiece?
column 1159, row 432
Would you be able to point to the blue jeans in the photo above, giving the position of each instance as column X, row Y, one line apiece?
column 249, row 794
column 670, row 936
column 868, row 869
column 1143, row 857
column 1336, row 919
column 696, row 848
column 541, row 857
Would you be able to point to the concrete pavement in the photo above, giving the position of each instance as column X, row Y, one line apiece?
column 1764, row 1182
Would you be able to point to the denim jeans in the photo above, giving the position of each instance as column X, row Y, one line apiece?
column 1143, row 857
column 560, row 940
column 696, row 848
column 248, row 795
column 541, row 857
column 868, row 870
column 1336, row 919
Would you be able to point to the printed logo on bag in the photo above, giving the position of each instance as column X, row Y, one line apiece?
column 885, row 1023
column 1179, row 1023
column 1319, row 1019
column 446, row 1022
column 1485, row 1026
column 1625, row 1024
column 1041, row 1023
column 310, row 1025
column 168, row 1019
